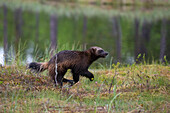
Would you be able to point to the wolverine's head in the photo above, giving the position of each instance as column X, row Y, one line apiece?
column 99, row 52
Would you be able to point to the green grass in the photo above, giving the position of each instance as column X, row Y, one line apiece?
column 140, row 87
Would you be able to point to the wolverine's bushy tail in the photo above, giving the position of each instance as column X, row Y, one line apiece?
column 38, row 67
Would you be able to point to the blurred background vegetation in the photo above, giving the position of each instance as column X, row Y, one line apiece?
column 127, row 29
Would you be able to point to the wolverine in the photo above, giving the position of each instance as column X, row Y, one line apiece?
column 77, row 61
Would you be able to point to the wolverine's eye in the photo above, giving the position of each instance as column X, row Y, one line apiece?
column 100, row 51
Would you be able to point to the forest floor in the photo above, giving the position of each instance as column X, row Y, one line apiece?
column 135, row 88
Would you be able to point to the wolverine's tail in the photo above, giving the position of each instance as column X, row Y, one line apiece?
column 38, row 67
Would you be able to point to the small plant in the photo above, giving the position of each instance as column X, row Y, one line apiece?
column 115, row 95
column 166, row 62
column 115, row 72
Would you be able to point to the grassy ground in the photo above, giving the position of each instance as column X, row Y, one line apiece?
column 135, row 88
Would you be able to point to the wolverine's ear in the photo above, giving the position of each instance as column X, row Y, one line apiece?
column 93, row 49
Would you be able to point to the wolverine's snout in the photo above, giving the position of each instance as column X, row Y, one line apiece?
column 104, row 54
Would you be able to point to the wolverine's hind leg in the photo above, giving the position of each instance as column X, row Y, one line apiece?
column 56, row 74
column 51, row 72
column 60, row 72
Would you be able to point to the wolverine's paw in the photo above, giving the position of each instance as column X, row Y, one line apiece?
column 71, row 82
column 91, row 79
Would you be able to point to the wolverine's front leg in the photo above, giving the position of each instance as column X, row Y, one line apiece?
column 72, row 82
column 88, row 75
column 75, row 76
column 67, row 80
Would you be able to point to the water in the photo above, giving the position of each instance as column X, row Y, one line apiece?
column 124, row 38
column 1, row 56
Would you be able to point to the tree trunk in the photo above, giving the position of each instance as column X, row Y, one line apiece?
column 137, row 39
column 18, row 23
column 53, row 33
column 146, row 30
column 75, row 27
column 5, row 35
column 163, row 40
column 145, row 38
column 37, row 26
column 118, row 34
column 18, row 28
column 84, row 32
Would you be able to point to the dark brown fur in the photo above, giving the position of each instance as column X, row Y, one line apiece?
column 77, row 61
